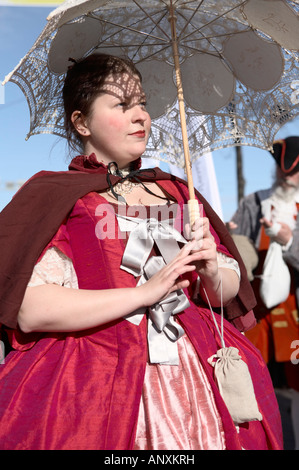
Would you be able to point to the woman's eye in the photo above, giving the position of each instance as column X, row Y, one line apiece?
column 126, row 104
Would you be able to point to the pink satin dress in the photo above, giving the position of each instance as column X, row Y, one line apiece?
column 177, row 409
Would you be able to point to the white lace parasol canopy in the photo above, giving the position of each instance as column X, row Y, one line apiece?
column 238, row 62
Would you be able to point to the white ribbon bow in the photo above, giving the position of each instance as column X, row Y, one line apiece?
column 163, row 331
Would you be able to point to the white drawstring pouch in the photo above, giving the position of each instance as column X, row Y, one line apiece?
column 234, row 380
column 275, row 279
column 235, row 385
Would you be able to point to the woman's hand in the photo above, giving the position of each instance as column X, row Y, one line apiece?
column 210, row 274
column 169, row 279
column 205, row 247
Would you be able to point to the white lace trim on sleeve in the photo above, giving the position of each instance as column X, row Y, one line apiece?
column 54, row 268
column 227, row 262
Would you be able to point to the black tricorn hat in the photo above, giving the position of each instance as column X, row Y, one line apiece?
column 286, row 154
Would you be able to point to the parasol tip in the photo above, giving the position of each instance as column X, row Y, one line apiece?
column 6, row 79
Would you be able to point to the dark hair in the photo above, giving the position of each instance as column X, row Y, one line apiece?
column 83, row 84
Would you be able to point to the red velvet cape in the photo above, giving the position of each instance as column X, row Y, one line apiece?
column 30, row 220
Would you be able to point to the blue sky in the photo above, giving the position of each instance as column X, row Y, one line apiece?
column 19, row 159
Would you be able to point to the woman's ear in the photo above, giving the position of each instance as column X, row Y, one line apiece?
column 79, row 123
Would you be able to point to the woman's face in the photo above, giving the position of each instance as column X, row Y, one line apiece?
column 118, row 126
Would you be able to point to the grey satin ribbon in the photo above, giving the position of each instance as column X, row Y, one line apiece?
column 163, row 331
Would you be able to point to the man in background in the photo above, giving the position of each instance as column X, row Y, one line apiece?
column 271, row 215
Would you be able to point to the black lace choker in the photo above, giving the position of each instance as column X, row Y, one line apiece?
column 129, row 179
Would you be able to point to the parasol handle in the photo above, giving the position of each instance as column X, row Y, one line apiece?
column 192, row 203
column 193, row 211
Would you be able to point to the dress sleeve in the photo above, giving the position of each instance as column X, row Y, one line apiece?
column 227, row 262
column 54, row 268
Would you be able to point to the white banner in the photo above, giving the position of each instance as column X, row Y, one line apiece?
column 204, row 178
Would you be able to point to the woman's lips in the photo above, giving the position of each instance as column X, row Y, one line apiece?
column 139, row 134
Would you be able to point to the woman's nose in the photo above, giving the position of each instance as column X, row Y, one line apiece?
column 139, row 113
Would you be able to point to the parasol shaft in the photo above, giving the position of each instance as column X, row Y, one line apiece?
column 192, row 203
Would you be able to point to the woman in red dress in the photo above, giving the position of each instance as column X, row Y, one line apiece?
column 110, row 313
